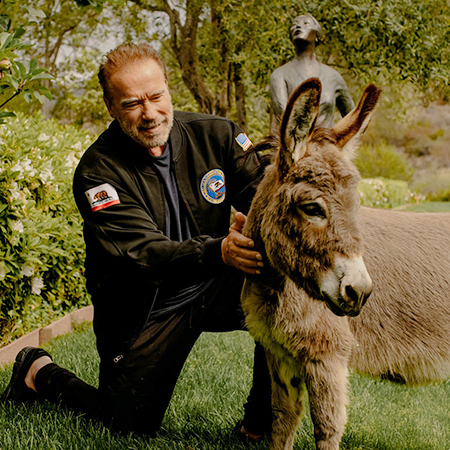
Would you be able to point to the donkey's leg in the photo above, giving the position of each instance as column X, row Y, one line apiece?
column 287, row 403
column 326, row 382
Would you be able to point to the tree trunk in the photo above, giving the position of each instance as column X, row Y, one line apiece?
column 239, row 87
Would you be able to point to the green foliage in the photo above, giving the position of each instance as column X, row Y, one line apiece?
column 79, row 98
column 19, row 75
column 41, row 245
column 434, row 185
column 384, row 193
column 381, row 160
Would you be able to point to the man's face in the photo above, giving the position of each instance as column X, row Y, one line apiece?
column 304, row 28
column 141, row 103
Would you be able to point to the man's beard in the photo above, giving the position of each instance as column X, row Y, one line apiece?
column 135, row 131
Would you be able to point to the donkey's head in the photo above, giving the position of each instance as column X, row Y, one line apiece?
column 309, row 224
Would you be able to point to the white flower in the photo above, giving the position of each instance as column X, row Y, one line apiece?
column 55, row 141
column 15, row 191
column 17, row 225
column 46, row 174
column 71, row 160
column 27, row 271
column 78, row 146
column 27, row 167
column 18, row 168
column 36, row 285
column 24, row 166
column 43, row 137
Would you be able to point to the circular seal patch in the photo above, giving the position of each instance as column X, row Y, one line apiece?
column 212, row 186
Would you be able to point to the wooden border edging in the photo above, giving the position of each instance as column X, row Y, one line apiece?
column 43, row 335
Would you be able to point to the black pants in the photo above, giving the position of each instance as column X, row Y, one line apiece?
column 134, row 392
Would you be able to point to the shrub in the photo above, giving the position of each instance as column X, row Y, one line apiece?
column 383, row 193
column 42, row 250
column 434, row 184
column 382, row 161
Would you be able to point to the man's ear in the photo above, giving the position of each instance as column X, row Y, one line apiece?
column 110, row 108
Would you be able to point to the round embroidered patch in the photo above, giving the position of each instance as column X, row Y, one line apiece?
column 212, row 186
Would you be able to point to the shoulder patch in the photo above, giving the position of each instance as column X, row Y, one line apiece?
column 102, row 196
column 212, row 186
column 243, row 140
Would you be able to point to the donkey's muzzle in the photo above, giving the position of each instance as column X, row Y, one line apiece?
column 347, row 286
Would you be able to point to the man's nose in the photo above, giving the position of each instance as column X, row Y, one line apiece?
column 149, row 111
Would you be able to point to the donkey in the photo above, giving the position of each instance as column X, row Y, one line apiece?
column 305, row 307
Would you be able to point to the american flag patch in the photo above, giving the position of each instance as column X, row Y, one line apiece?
column 244, row 141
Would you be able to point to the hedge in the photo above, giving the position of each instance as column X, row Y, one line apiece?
column 41, row 244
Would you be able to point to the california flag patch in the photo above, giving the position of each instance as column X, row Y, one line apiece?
column 102, row 196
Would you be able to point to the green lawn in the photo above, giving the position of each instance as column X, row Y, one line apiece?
column 427, row 207
column 208, row 401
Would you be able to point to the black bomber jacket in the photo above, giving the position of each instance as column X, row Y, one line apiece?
column 127, row 254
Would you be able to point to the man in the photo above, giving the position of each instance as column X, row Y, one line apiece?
column 305, row 33
column 162, row 264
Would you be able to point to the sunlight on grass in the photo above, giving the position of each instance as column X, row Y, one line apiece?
column 209, row 398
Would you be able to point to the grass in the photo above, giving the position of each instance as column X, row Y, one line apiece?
column 426, row 207
column 208, row 401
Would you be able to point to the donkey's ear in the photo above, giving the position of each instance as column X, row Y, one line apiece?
column 298, row 122
column 350, row 129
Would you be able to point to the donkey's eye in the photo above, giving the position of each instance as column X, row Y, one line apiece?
column 314, row 210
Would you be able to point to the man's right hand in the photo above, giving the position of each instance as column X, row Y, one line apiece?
column 238, row 250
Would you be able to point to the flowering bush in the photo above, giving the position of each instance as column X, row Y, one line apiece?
column 41, row 244
column 383, row 193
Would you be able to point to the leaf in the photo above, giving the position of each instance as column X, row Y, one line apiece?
column 10, row 55
column 3, row 38
column 7, row 114
column 21, row 68
column 19, row 32
column 5, row 22
column 4, row 115
column 36, row 12
column 27, row 97
column 33, row 65
column 39, row 97
column 45, row 91
column 42, row 76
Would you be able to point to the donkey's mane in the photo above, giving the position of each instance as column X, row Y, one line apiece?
column 321, row 135
column 270, row 145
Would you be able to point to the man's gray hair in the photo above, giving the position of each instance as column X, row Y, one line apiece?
column 122, row 56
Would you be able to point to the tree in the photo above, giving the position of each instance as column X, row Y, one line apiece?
column 225, row 51
column 225, row 47
column 18, row 76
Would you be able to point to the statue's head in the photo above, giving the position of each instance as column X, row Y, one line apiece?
column 305, row 28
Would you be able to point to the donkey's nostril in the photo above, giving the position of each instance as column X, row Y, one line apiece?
column 355, row 298
column 352, row 295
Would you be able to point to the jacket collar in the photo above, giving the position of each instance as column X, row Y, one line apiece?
column 175, row 139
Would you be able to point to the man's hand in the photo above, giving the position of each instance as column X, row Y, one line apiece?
column 237, row 249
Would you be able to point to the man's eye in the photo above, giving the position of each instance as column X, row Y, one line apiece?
column 314, row 210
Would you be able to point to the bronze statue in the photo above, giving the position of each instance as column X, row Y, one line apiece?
column 305, row 34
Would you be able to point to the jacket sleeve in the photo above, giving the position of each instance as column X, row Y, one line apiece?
column 126, row 233
column 243, row 173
